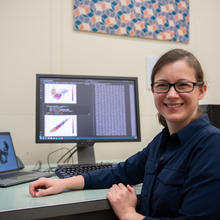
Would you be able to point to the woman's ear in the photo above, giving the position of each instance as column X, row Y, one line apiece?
column 202, row 91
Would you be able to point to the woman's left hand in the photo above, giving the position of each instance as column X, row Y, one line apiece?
column 123, row 200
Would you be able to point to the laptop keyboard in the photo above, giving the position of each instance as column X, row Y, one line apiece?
column 14, row 174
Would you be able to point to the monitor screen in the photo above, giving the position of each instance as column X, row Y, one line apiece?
column 86, row 109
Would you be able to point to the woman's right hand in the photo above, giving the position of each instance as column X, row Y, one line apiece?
column 46, row 186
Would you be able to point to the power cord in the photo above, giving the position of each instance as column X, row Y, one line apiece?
column 37, row 166
column 65, row 158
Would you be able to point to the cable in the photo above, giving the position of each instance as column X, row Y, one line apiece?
column 37, row 166
column 71, row 152
column 48, row 158
column 74, row 150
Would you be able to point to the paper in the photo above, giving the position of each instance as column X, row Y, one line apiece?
column 151, row 61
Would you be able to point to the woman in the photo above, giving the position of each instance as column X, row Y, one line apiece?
column 179, row 169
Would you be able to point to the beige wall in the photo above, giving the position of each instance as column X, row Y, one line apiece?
column 38, row 37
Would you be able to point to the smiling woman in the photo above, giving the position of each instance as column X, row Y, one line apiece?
column 179, row 168
column 180, row 69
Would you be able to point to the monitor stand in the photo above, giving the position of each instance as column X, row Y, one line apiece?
column 85, row 153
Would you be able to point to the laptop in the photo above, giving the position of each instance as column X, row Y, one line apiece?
column 11, row 168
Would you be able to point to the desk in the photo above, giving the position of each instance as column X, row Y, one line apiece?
column 17, row 203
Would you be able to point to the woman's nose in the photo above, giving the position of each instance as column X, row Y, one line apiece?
column 172, row 92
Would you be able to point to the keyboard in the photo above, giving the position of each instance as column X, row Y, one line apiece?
column 13, row 174
column 64, row 171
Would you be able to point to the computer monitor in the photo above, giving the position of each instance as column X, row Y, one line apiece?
column 86, row 109
column 213, row 111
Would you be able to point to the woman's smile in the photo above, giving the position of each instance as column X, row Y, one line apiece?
column 173, row 105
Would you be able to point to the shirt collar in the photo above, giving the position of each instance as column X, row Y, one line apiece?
column 186, row 133
column 169, row 141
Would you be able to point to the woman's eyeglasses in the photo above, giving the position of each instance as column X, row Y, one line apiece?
column 180, row 87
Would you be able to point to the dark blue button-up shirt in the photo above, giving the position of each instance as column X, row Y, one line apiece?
column 180, row 174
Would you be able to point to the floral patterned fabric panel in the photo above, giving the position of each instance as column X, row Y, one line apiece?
column 154, row 19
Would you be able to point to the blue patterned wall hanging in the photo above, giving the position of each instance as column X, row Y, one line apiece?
column 161, row 20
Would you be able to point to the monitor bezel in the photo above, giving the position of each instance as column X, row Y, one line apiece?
column 93, row 77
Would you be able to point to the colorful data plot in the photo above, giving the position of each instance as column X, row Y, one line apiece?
column 60, row 93
column 60, row 125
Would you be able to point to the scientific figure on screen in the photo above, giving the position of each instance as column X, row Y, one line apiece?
column 4, row 152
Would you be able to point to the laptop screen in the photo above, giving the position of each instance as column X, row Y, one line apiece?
column 8, row 159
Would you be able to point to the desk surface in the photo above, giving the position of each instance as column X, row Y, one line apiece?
column 16, row 202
